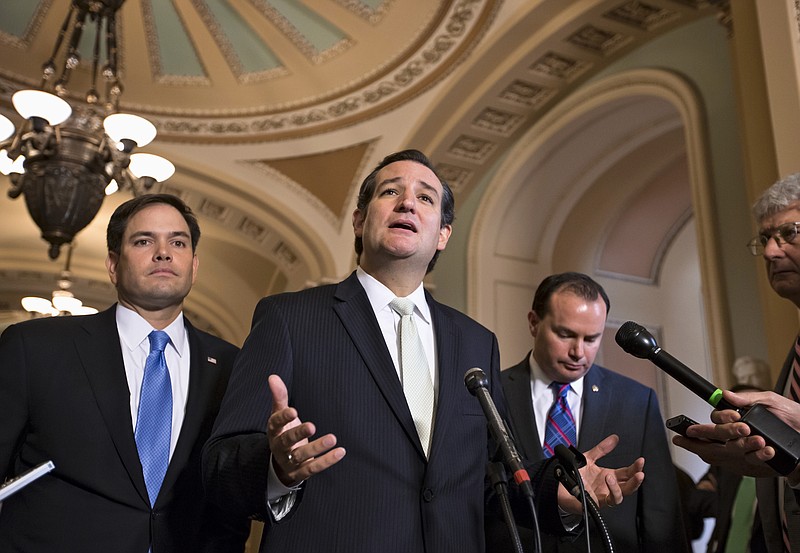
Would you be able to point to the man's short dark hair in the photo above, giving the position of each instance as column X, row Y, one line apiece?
column 119, row 220
column 367, row 191
column 576, row 283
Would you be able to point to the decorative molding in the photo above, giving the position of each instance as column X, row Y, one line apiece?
column 602, row 42
column 297, row 38
column 642, row 15
column 428, row 65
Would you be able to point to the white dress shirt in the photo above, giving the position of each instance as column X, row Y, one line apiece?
column 542, row 397
column 133, row 337
column 388, row 319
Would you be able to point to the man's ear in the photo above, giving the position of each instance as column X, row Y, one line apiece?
column 533, row 323
column 358, row 223
column 112, row 260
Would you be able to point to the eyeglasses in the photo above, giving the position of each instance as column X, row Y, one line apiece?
column 783, row 234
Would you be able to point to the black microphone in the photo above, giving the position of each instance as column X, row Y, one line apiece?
column 637, row 341
column 477, row 384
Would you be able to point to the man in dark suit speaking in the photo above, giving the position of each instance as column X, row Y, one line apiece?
column 566, row 321
column 375, row 367
column 121, row 402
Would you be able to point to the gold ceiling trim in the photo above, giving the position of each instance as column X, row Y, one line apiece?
column 458, row 33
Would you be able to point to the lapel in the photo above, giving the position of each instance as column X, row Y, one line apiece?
column 100, row 354
column 202, row 377
column 596, row 408
column 356, row 315
column 451, row 381
column 520, row 402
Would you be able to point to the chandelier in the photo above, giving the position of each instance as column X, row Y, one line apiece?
column 65, row 159
column 63, row 301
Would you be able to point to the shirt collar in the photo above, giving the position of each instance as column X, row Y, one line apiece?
column 380, row 296
column 541, row 382
column 134, row 330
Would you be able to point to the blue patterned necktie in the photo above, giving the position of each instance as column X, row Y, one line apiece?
column 154, row 421
column 560, row 427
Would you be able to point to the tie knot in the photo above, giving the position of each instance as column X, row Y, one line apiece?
column 403, row 306
column 158, row 340
column 560, row 388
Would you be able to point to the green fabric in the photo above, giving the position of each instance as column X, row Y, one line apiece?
column 742, row 517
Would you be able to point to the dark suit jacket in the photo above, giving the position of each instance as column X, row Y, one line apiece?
column 649, row 521
column 384, row 495
column 64, row 397
column 767, row 493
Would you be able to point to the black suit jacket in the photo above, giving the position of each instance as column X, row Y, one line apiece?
column 648, row 521
column 65, row 397
column 767, row 493
column 385, row 496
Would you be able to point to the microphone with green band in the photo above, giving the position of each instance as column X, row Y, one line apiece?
column 637, row 341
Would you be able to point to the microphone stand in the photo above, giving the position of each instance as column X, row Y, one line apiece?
column 499, row 481
column 566, row 471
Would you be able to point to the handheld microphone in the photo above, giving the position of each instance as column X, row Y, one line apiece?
column 477, row 384
column 637, row 341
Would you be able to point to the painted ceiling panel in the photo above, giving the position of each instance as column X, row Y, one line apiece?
column 17, row 14
column 317, row 32
column 241, row 45
column 175, row 52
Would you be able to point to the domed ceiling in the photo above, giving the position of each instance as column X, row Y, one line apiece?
column 274, row 110
column 258, row 69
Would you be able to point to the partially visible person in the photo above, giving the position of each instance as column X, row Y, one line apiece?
column 737, row 529
column 751, row 371
column 777, row 215
column 697, row 503
column 123, row 420
column 566, row 322
column 395, row 458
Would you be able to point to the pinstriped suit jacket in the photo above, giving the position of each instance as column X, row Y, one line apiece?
column 384, row 496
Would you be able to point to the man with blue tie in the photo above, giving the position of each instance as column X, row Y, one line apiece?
column 557, row 395
column 121, row 402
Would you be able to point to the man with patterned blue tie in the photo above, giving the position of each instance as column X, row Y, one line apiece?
column 557, row 395
column 121, row 402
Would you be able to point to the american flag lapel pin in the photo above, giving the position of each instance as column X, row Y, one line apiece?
column 212, row 360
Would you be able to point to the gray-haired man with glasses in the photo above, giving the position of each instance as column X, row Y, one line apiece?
column 777, row 213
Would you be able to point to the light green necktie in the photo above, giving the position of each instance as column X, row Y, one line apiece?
column 416, row 376
column 742, row 517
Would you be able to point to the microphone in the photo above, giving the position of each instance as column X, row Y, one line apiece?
column 477, row 384
column 637, row 341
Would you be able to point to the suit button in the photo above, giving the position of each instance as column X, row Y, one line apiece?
column 427, row 495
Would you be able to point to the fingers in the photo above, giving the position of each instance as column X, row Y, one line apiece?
column 603, row 448
column 304, row 461
column 280, row 395
column 294, row 457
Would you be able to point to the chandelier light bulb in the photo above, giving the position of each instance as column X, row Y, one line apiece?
column 111, row 187
column 33, row 304
column 152, row 166
column 65, row 301
column 5, row 163
column 6, row 128
column 18, row 165
column 38, row 103
column 126, row 126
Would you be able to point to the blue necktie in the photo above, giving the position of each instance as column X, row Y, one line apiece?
column 154, row 421
column 560, row 427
